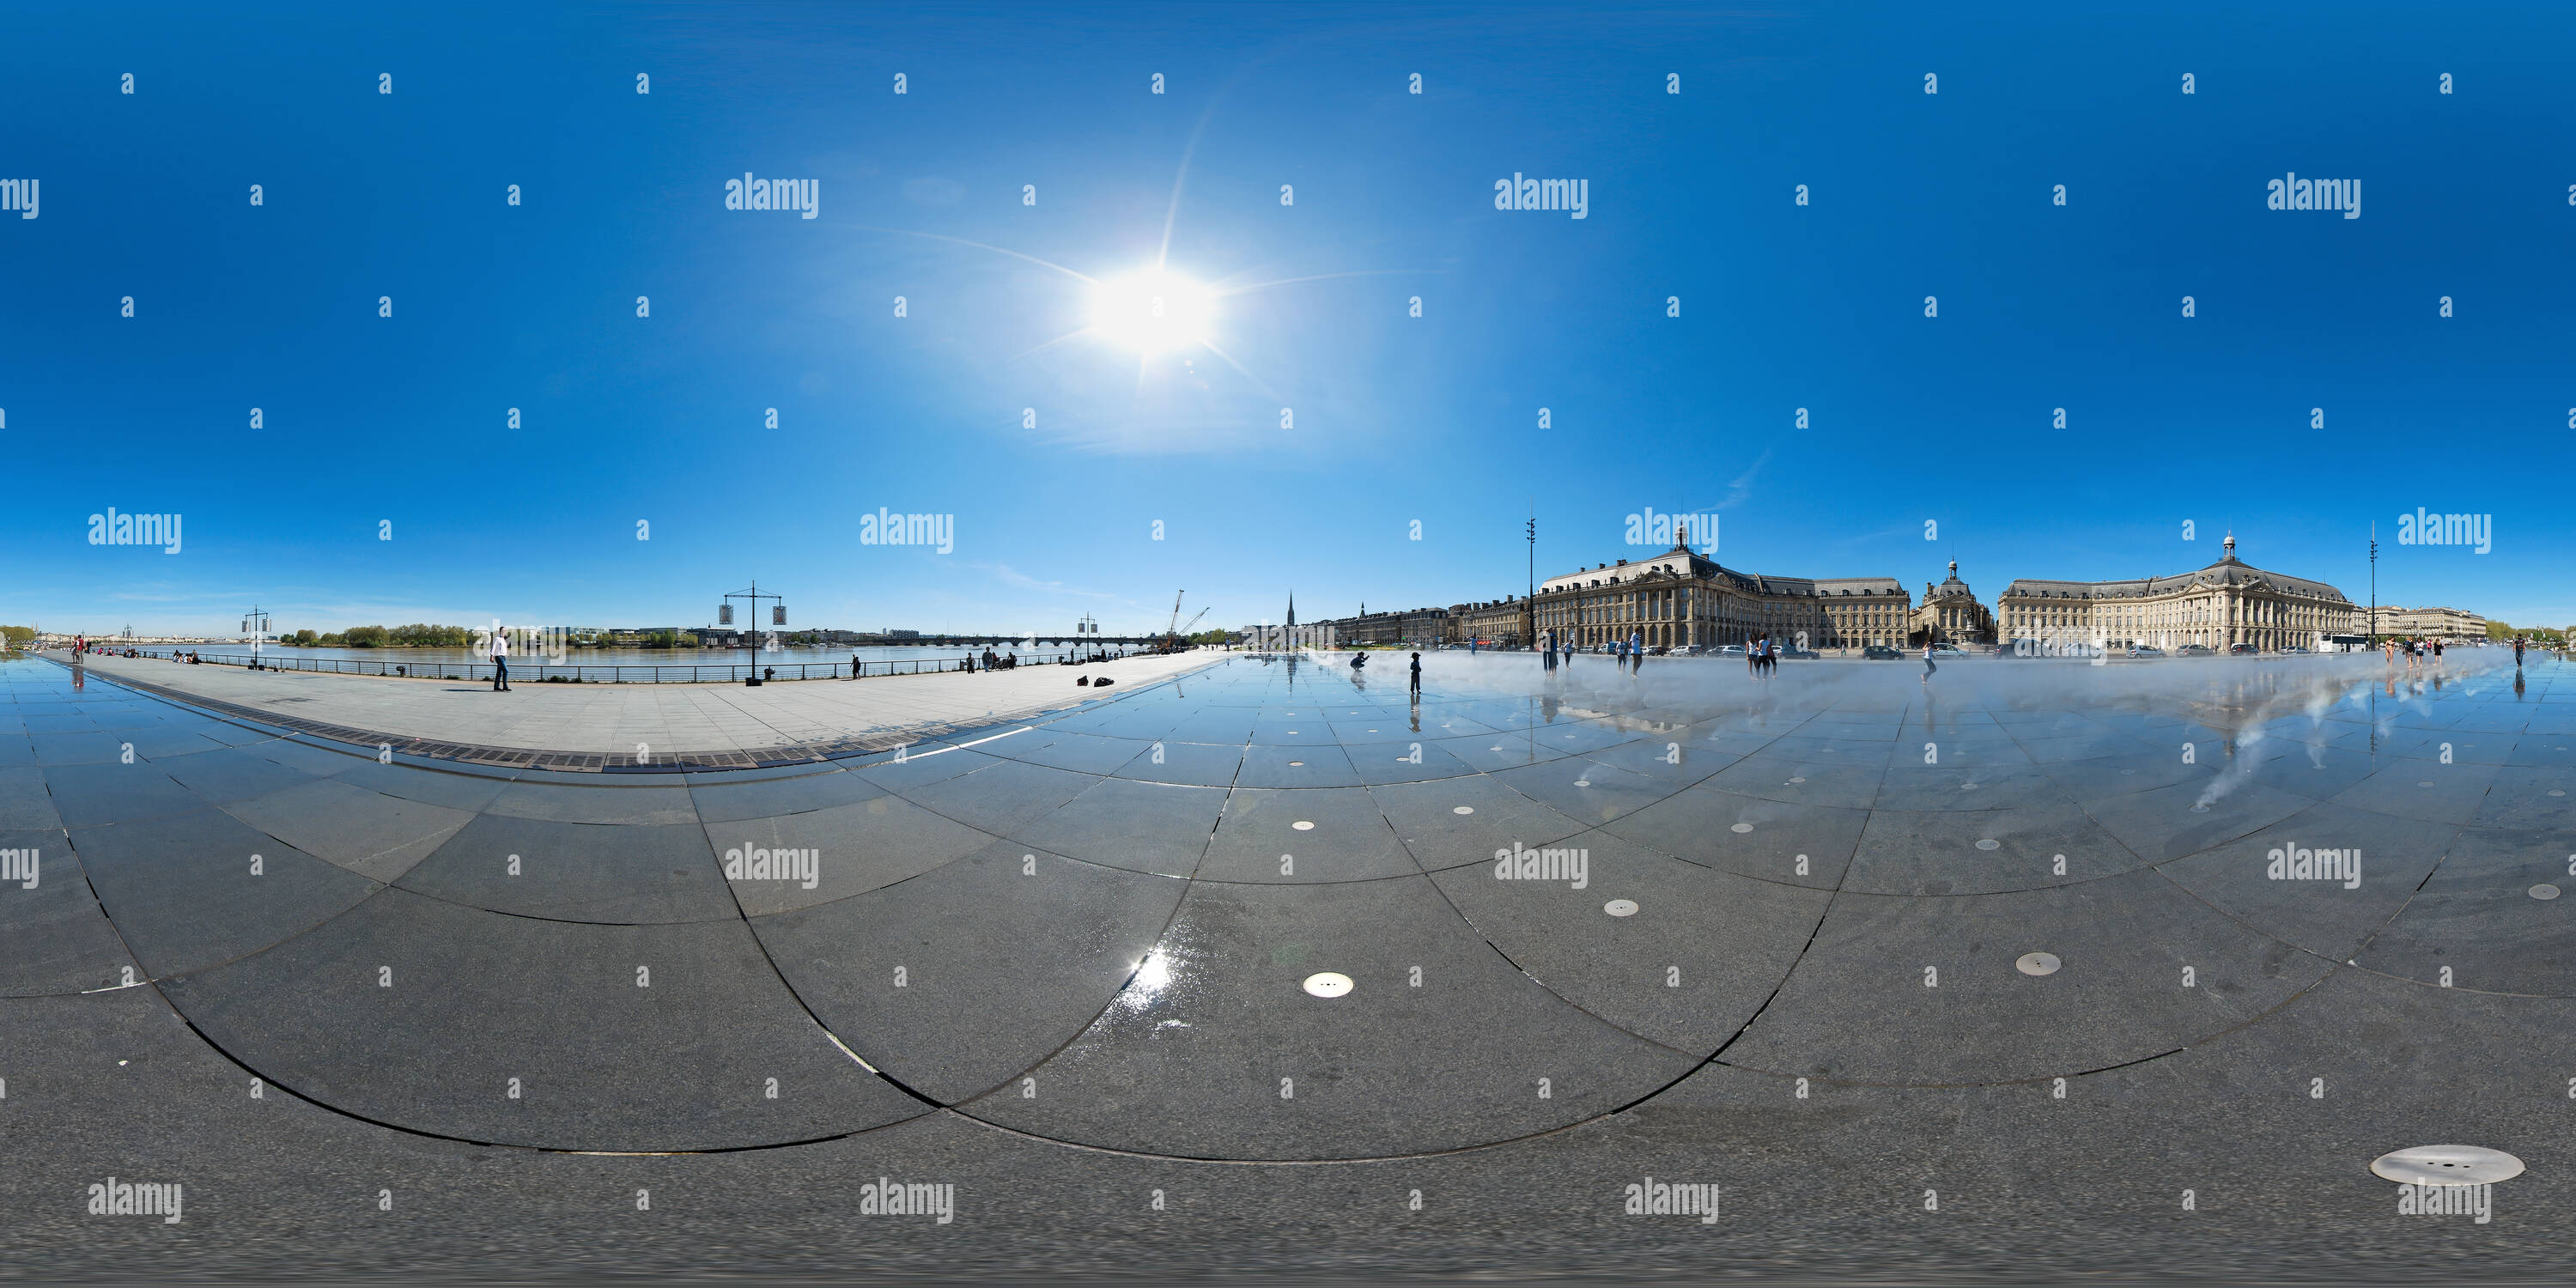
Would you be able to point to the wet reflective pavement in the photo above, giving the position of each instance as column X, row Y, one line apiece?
column 1596, row 927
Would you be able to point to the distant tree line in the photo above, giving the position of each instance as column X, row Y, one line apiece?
column 416, row 635
column 2537, row 634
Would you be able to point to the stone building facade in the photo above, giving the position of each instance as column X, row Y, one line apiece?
column 1950, row 614
column 2226, row 603
column 1501, row 623
column 2427, row 623
column 1682, row 598
column 1416, row 627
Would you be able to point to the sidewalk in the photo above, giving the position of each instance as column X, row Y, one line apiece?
column 635, row 727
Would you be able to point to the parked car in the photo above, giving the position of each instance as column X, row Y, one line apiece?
column 2145, row 650
column 2194, row 650
column 1730, row 650
column 2297, row 649
column 1881, row 653
column 1947, row 651
column 1795, row 651
column 2242, row 650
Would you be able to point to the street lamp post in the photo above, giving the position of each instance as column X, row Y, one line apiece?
column 256, row 622
column 2372, row 639
column 1529, row 605
column 777, row 617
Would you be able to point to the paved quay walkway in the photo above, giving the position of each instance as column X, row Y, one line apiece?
column 2053, row 947
column 636, row 728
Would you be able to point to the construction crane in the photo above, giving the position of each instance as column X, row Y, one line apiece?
column 1172, row 634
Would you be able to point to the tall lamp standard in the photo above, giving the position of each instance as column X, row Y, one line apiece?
column 256, row 623
column 777, row 617
column 2372, row 640
column 1529, row 604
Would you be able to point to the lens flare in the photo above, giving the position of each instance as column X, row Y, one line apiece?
column 1153, row 312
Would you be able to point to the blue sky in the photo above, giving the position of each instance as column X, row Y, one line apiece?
column 1395, row 418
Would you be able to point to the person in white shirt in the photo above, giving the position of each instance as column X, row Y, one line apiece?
column 500, row 661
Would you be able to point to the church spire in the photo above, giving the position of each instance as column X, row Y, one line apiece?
column 1292, row 608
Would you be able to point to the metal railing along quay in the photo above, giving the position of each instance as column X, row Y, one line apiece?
column 614, row 673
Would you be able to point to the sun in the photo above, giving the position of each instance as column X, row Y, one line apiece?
column 1152, row 311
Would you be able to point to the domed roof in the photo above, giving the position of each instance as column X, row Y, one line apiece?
column 1953, row 588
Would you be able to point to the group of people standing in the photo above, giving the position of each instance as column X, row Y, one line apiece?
column 1761, row 657
column 2418, row 651
column 1630, row 652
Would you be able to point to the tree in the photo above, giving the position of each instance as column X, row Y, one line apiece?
column 364, row 636
column 18, row 636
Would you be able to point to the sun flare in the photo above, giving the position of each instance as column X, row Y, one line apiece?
column 1153, row 312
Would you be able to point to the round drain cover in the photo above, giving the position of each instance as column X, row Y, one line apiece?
column 1328, row 984
column 1464, row 809
column 2544, row 891
column 1741, row 827
column 1988, row 844
column 1967, row 787
column 1583, row 782
column 2556, row 792
column 1303, row 826
column 2447, row 1165
column 2037, row 964
column 1797, row 780
column 1296, row 764
column 1620, row 907
column 2423, row 784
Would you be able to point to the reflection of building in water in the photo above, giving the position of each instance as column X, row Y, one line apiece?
column 2226, row 603
column 2430, row 623
column 1682, row 598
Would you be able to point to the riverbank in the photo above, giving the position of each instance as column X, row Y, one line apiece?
column 633, row 728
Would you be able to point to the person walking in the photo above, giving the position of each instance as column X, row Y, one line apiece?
column 500, row 660
column 2517, row 652
column 1417, row 675
column 1636, row 650
column 854, row 664
column 1547, row 650
column 1928, row 668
